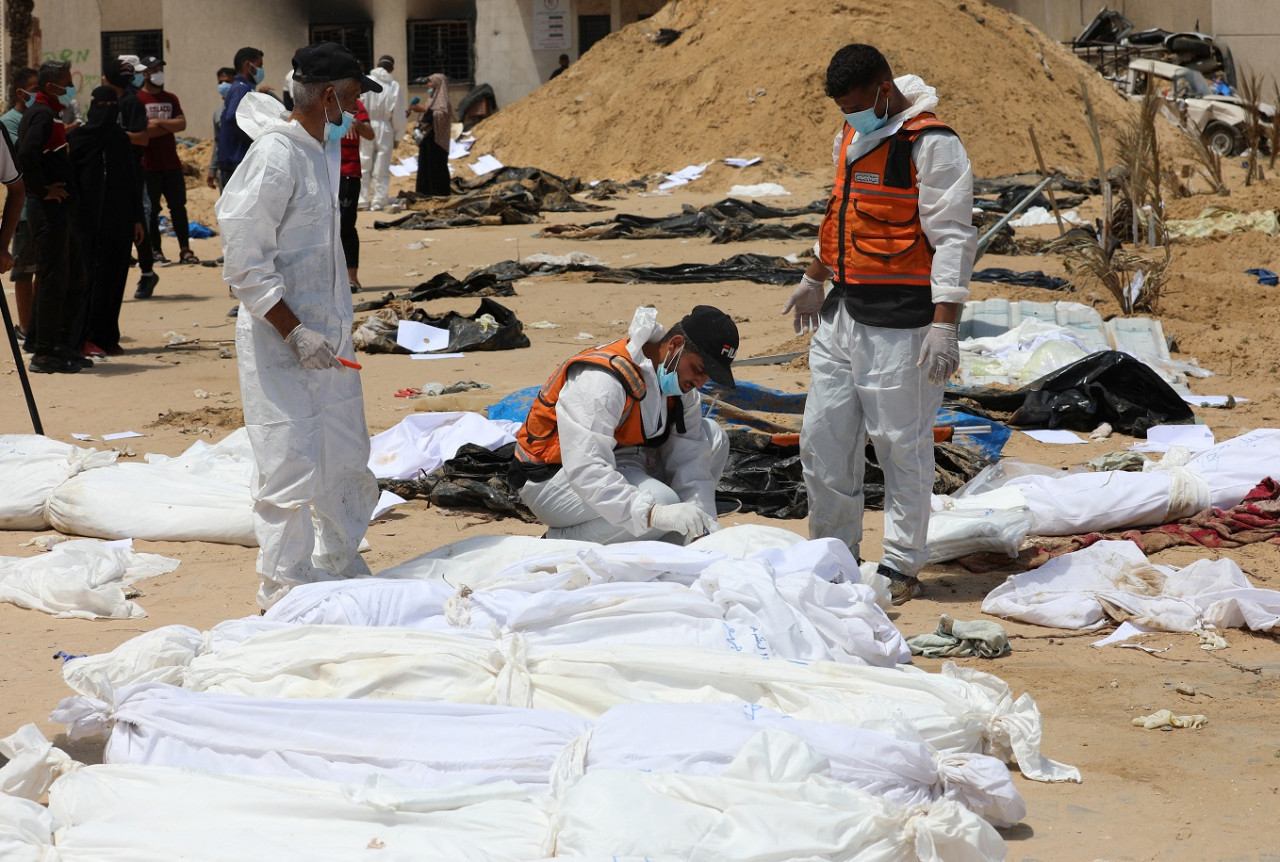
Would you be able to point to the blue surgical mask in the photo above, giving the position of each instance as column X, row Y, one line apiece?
column 866, row 122
column 224, row 88
column 68, row 97
column 31, row 99
column 258, row 74
column 669, row 381
column 137, row 80
column 335, row 132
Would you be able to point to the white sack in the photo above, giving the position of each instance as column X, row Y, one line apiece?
column 201, row 495
column 738, row 605
column 1115, row 581
column 424, row 441
column 705, row 738
column 156, row 814
column 32, row 466
column 32, row 764
column 768, row 805
column 423, row 745
column 957, row 710
column 1074, row 503
column 81, row 578
column 26, row 831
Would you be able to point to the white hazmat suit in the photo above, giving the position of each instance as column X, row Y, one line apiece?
column 865, row 379
column 387, row 116
column 604, row 492
column 313, row 491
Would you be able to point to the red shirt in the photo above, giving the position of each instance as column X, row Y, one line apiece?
column 351, row 145
column 162, row 152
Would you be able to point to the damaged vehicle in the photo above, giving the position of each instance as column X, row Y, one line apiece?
column 1110, row 42
column 1221, row 119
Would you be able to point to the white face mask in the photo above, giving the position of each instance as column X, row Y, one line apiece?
column 157, row 79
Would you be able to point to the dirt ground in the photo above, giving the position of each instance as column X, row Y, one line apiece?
column 1184, row 795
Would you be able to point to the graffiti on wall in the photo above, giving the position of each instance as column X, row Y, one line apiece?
column 81, row 68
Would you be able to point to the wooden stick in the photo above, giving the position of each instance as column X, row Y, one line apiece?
column 1035, row 145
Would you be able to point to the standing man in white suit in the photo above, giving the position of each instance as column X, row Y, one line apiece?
column 387, row 114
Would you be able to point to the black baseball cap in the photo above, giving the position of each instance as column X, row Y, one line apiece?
column 716, row 336
column 151, row 63
column 329, row 61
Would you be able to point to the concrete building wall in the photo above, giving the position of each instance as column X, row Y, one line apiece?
column 1252, row 29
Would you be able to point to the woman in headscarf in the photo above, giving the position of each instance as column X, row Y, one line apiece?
column 436, row 128
column 110, row 216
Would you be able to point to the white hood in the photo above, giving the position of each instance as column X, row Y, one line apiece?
column 644, row 329
column 259, row 114
column 382, row 76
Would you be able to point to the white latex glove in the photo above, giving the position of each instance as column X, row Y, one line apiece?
column 940, row 353
column 684, row 518
column 806, row 301
column 311, row 349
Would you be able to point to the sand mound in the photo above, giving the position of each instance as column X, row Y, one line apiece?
column 745, row 79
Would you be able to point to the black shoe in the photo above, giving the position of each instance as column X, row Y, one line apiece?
column 49, row 364
column 75, row 359
column 902, row 588
column 146, row 284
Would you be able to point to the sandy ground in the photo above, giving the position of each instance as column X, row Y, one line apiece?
column 1183, row 795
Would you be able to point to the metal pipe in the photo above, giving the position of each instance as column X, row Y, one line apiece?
column 986, row 238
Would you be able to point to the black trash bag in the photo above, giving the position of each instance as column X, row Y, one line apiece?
column 469, row 332
column 1107, row 386
column 497, row 280
column 476, row 478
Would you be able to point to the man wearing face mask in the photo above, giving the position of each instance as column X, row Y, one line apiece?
column 225, row 76
column 898, row 244
column 160, row 163
column 233, row 143
column 615, row 448
column 58, row 317
column 23, row 274
column 303, row 409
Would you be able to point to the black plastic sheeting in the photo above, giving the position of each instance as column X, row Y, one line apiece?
column 1107, row 386
column 761, row 476
column 468, row 332
column 728, row 220
column 506, row 196
column 1035, row 278
column 758, row 268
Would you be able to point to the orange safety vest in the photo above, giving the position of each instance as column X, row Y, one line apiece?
column 538, row 440
column 871, row 237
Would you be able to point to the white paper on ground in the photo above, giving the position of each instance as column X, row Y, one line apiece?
column 759, row 190
column 1203, row 400
column 484, row 165
column 742, row 163
column 82, row 436
column 1196, row 438
column 1054, row 435
column 401, row 171
column 437, row 356
column 122, row 435
column 1123, row 633
column 415, row 336
column 458, row 149
column 683, row 177
column 386, row 502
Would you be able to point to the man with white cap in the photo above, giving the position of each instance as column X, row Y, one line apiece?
column 303, row 408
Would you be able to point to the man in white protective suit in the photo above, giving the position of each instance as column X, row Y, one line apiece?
column 898, row 245
column 303, row 409
column 387, row 115
column 615, row 448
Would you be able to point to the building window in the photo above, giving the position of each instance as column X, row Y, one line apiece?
column 440, row 46
column 356, row 38
column 140, row 43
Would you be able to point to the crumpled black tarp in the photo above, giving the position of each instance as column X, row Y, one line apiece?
column 1035, row 278
column 506, row 196
column 468, row 332
column 1106, row 386
column 759, row 268
column 728, row 220
column 1020, row 185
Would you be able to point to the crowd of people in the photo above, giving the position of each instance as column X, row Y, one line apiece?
column 85, row 190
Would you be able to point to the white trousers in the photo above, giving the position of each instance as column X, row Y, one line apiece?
column 865, row 384
column 375, row 165
column 568, row 516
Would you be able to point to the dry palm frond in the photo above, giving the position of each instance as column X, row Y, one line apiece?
column 1275, row 123
column 1210, row 162
column 1140, row 174
column 1254, row 130
column 1134, row 280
